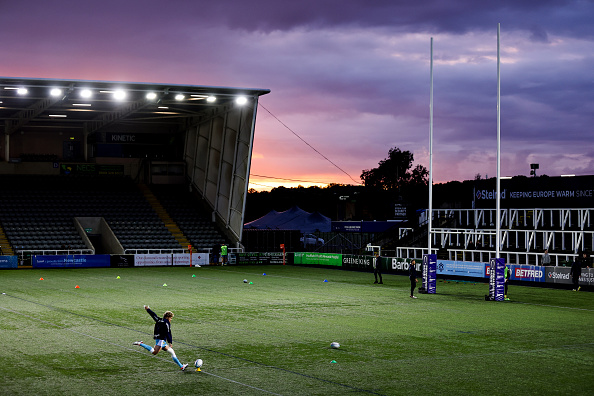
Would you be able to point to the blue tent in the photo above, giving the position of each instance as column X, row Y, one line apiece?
column 292, row 219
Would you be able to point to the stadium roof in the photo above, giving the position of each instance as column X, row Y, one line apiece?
column 37, row 105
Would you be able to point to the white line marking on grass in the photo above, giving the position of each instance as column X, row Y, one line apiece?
column 132, row 349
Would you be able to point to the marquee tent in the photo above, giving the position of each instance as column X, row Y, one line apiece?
column 292, row 219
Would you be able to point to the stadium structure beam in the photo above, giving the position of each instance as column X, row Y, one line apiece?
column 23, row 117
column 111, row 117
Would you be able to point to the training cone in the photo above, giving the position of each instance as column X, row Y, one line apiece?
column 77, row 287
column 164, row 284
column 193, row 276
column 40, row 278
column 251, row 283
column 118, row 277
column 264, row 273
column 334, row 361
column 325, row 280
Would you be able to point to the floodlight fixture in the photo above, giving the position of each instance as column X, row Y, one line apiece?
column 119, row 94
column 56, row 92
column 211, row 99
column 151, row 96
column 179, row 97
column 241, row 100
column 86, row 93
column 22, row 91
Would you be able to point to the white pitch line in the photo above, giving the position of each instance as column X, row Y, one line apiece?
column 132, row 349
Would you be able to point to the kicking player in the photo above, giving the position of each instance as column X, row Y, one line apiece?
column 162, row 336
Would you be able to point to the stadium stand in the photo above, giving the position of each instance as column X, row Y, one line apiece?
column 469, row 234
column 188, row 215
column 37, row 215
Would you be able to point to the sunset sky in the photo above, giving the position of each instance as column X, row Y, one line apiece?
column 350, row 77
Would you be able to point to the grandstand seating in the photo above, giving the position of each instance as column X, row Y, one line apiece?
column 191, row 219
column 37, row 214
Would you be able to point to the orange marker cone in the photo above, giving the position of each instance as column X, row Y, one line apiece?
column 77, row 287
column 40, row 278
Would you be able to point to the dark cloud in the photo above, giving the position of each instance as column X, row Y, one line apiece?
column 567, row 17
column 539, row 17
column 351, row 76
column 539, row 34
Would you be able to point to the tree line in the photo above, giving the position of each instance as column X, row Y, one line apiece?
column 393, row 182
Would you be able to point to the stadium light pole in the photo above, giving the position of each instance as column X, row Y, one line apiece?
column 430, row 214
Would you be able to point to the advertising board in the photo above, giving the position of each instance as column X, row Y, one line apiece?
column 308, row 258
column 8, row 262
column 71, row 261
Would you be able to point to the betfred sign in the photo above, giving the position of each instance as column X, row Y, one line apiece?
column 528, row 273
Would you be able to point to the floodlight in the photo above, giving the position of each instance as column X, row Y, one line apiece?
column 86, row 93
column 22, row 91
column 56, row 92
column 119, row 94
column 179, row 97
column 151, row 96
column 211, row 99
column 241, row 100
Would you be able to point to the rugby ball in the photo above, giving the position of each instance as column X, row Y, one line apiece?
column 245, row 281
column 335, row 345
column 198, row 363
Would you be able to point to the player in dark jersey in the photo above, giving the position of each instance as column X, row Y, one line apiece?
column 412, row 275
column 162, row 336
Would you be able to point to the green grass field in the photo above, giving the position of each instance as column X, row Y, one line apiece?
column 273, row 336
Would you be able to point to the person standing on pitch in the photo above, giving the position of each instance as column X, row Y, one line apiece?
column 412, row 275
column 377, row 268
column 576, row 270
column 224, row 254
column 162, row 336
column 506, row 276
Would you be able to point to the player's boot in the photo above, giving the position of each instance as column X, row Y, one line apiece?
column 137, row 343
column 183, row 368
